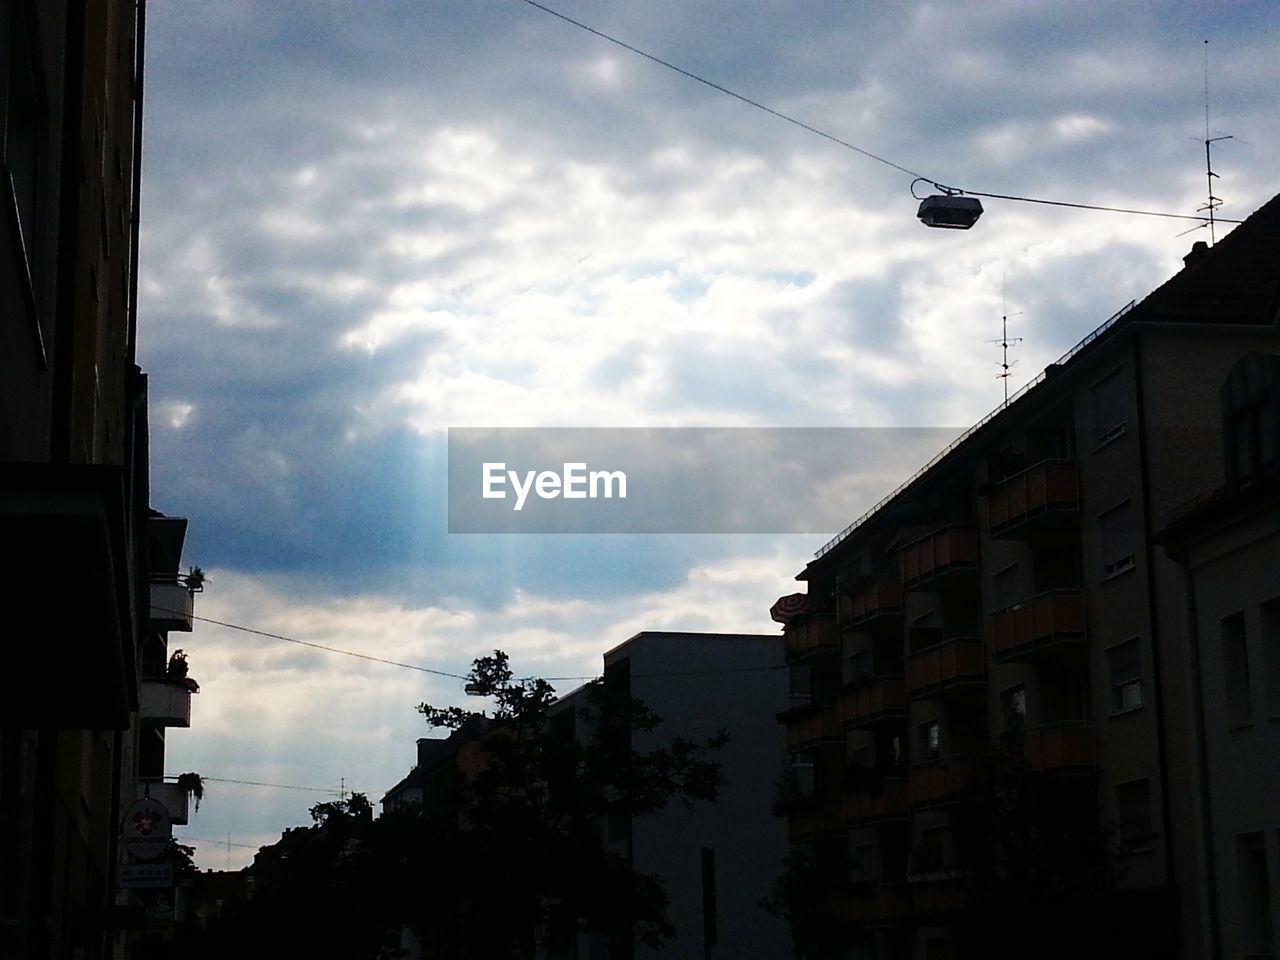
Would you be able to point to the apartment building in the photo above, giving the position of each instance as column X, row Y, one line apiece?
column 1002, row 635
column 721, row 859
column 77, row 539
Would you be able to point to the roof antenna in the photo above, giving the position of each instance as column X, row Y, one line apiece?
column 1005, row 340
column 1214, row 202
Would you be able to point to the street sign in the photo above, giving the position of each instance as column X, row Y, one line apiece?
column 146, row 876
column 147, row 828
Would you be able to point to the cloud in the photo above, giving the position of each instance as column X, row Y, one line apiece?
column 361, row 231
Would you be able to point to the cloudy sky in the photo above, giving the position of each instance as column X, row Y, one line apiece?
column 368, row 222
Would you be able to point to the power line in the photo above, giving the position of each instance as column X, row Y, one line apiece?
column 459, row 676
column 846, row 144
column 259, row 783
column 223, row 843
column 321, row 646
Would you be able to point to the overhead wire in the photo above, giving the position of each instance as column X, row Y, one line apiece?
column 458, row 676
column 259, row 783
column 852, row 146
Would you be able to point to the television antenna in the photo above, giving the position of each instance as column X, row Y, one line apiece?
column 1214, row 202
column 1005, row 341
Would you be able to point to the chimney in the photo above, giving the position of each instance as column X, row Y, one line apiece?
column 1198, row 250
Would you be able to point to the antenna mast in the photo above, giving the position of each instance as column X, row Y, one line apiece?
column 1214, row 201
column 1005, row 341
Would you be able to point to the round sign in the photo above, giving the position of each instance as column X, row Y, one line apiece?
column 147, row 828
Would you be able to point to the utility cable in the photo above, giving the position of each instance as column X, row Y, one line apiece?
column 259, row 783
column 854, row 147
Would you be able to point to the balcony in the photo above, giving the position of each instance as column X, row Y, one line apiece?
column 823, row 817
column 164, row 703
column 875, row 701
column 1060, row 749
column 813, row 727
column 878, row 903
column 889, row 802
column 880, row 598
column 1045, row 624
column 171, row 605
column 941, row 893
column 1025, row 501
column 173, row 797
column 818, row 633
column 944, row 781
column 939, row 555
column 945, row 668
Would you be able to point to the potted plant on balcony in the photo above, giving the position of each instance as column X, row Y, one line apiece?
column 195, row 579
column 192, row 785
column 176, row 672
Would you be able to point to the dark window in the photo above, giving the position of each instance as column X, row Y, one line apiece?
column 801, row 685
column 1115, row 531
column 1014, row 706
column 1255, row 894
column 862, row 862
column 1249, row 416
column 1005, row 587
column 1109, row 416
column 1133, row 805
column 931, row 741
column 1125, row 663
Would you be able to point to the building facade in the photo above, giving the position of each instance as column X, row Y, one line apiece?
column 1003, row 634
column 78, row 542
column 721, row 859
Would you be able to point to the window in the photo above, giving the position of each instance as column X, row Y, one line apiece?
column 1249, row 417
column 931, row 741
column 1004, row 586
column 801, row 685
column 1133, row 805
column 802, row 770
column 1115, row 528
column 1255, row 893
column 862, row 862
column 931, row 855
column 1125, row 663
column 1109, row 415
column 1014, row 704
column 1235, row 669
column 1271, row 655
column 857, row 666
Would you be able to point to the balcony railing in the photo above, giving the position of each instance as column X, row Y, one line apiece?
column 174, row 798
column 879, row 903
column 875, row 701
column 889, row 802
column 944, row 667
column 950, row 550
column 1049, row 620
column 879, row 598
column 171, row 604
column 1050, row 487
column 945, row 892
column 809, row 636
column 942, row 781
column 1060, row 748
column 164, row 703
column 813, row 727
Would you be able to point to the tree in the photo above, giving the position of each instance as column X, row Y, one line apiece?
column 526, row 812
column 508, row 849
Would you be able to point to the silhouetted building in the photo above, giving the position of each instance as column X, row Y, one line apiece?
column 1004, row 626
column 75, row 529
column 720, row 859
